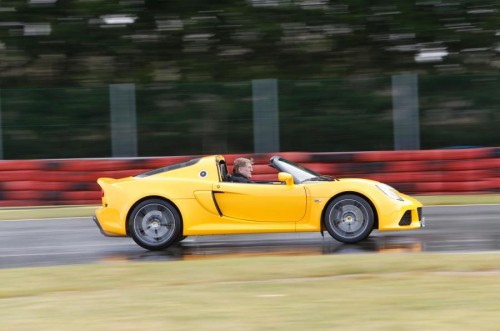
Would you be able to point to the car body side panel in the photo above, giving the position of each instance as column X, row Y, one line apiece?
column 313, row 219
column 261, row 202
column 198, row 221
column 206, row 200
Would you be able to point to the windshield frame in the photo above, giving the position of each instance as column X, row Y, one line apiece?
column 299, row 173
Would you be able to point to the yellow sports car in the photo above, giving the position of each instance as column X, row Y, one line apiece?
column 160, row 207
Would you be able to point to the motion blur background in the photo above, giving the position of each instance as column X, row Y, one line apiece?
column 190, row 71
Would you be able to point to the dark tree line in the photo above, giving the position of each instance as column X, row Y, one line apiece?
column 192, row 63
column 82, row 43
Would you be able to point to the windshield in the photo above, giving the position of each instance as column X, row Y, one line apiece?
column 300, row 174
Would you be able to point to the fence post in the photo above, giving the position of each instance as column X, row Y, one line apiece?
column 123, row 120
column 265, row 115
column 1, row 132
column 405, row 112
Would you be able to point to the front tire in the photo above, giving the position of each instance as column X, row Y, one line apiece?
column 349, row 218
column 155, row 224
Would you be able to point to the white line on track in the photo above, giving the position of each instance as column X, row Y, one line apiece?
column 49, row 219
column 471, row 205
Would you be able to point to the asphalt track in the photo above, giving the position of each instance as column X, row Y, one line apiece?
column 68, row 241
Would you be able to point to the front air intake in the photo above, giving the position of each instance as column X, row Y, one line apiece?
column 406, row 219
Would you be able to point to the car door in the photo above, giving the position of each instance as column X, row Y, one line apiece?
column 265, row 202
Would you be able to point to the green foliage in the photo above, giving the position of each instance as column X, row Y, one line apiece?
column 82, row 43
column 459, row 110
column 55, row 123
column 352, row 114
column 194, row 119
column 340, row 115
column 182, row 56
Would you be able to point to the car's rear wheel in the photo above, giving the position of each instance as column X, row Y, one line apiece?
column 349, row 218
column 155, row 224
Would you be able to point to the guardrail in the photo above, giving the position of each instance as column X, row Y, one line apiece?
column 73, row 181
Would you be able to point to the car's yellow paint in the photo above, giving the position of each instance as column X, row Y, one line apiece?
column 208, row 205
column 261, row 202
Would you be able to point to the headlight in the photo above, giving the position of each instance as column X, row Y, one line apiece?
column 389, row 191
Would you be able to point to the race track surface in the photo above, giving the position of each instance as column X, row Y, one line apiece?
column 49, row 242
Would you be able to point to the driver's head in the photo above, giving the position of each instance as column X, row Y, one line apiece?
column 243, row 166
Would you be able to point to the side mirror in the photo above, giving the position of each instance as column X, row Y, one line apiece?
column 285, row 177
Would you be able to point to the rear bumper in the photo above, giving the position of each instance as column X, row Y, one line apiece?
column 109, row 223
column 96, row 221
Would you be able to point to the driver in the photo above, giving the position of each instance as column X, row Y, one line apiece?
column 242, row 170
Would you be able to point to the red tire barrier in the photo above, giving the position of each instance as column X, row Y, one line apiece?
column 494, row 184
column 361, row 168
column 487, row 163
column 29, row 195
column 430, row 176
column 21, row 165
column 425, row 155
column 35, row 186
column 94, row 165
column 153, row 163
column 333, row 157
column 266, row 177
column 73, row 181
column 408, row 166
column 452, row 187
column 322, row 168
column 81, row 195
column 297, row 157
column 24, row 203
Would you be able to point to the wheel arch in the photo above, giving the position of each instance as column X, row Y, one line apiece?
column 368, row 200
column 159, row 197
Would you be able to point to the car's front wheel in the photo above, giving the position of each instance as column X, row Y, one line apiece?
column 155, row 224
column 349, row 218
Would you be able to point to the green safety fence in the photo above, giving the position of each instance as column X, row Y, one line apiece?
column 349, row 114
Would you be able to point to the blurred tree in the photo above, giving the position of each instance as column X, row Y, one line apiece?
column 95, row 42
column 192, row 62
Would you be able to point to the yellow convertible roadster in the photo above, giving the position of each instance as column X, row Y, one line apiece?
column 160, row 207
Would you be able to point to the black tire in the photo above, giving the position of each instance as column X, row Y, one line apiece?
column 155, row 224
column 349, row 218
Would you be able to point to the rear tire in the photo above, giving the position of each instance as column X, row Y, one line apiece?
column 349, row 218
column 155, row 224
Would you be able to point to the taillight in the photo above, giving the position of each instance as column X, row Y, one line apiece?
column 103, row 199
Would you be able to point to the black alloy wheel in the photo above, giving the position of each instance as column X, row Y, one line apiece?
column 155, row 224
column 349, row 218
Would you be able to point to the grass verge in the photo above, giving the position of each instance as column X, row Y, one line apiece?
column 346, row 292
column 462, row 199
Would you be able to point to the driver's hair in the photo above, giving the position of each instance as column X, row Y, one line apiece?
column 240, row 163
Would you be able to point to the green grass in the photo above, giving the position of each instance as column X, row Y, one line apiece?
column 467, row 199
column 331, row 292
column 334, row 292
